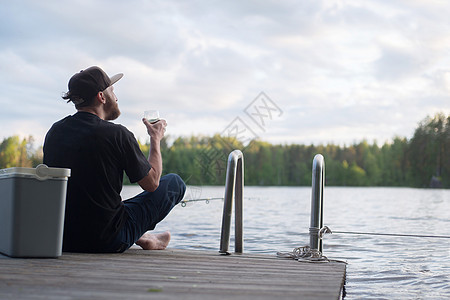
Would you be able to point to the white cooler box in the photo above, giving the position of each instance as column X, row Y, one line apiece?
column 32, row 204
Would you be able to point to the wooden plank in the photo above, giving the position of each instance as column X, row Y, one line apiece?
column 168, row 274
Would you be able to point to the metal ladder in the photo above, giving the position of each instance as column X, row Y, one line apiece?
column 234, row 190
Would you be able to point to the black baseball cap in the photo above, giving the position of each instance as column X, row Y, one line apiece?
column 83, row 86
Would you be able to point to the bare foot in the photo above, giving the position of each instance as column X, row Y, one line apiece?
column 154, row 241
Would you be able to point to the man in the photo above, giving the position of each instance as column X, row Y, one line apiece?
column 98, row 152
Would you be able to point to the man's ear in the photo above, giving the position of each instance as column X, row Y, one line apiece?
column 100, row 98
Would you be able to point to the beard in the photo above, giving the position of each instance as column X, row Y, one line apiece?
column 113, row 115
column 112, row 109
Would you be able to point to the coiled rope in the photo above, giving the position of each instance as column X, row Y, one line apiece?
column 304, row 254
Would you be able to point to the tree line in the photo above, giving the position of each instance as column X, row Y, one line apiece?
column 422, row 161
column 17, row 152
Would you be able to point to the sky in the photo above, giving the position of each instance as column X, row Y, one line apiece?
column 285, row 72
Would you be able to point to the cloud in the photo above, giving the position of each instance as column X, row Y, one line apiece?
column 340, row 70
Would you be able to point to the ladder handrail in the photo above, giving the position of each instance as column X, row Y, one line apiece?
column 318, row 182
column 234, row 190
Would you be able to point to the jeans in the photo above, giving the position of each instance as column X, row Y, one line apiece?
column 148, row 209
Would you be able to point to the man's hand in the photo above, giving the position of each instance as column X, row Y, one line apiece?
column 155, row 130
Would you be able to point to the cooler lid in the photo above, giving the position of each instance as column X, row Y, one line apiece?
column 41, row 172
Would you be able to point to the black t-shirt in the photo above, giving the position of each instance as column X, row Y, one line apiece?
column 97, row 152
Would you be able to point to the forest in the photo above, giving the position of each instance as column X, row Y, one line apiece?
column 422, row 161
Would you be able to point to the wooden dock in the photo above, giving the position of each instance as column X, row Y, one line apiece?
column 169, row 274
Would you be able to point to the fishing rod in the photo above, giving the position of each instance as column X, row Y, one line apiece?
column 207, row 200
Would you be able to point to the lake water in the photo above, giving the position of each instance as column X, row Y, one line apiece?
column 379, row 267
